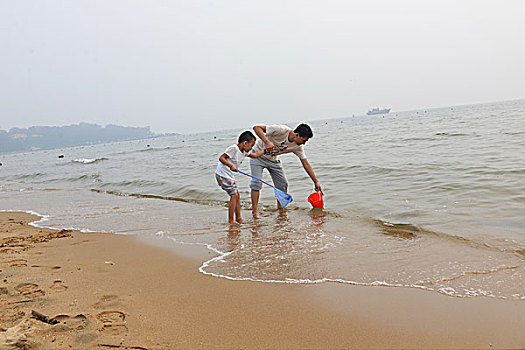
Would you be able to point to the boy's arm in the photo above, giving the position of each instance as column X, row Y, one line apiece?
column 257, row 154
column 224, row 161
column 310, row 171
column 260, row 130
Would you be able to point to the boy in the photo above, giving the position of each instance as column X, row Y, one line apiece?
column 228, row 162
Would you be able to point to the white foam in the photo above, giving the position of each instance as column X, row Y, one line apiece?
column 222, row 255
column 44, row 218
column 87, row 160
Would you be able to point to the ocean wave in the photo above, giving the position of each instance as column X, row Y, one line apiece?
column 29, row 176
column 161, row 197
column 418, row 139
column 452, row 134
column 148, row 149
column 357, row 168
column 155, row 149
column 410, row 232
column 192, row 196
column 89, row 160
column 82, row 178
column 514, row 133
column 136, row 184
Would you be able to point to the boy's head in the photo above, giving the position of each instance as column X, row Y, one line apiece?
column 246, row 141
column 303, row 132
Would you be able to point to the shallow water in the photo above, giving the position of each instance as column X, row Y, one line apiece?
column 426, row 199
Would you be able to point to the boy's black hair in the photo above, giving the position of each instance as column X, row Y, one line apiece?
column 246, row 136
column 304, row 130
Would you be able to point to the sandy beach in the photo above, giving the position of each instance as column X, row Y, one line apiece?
column 70, row 290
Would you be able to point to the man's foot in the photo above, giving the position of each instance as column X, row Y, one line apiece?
column 239, row 220
column 255, row 215
column 233, row 222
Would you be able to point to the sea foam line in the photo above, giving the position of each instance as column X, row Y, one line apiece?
column 222, row 255
column 44, row 218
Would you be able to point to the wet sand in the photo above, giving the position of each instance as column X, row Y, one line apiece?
column 66, row 289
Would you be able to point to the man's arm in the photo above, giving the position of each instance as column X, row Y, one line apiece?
column 311, row 173
column 260, row 130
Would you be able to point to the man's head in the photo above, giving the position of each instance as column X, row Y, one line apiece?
column 246, row 141
column 303, row 133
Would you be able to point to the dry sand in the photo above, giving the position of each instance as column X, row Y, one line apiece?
column 115, row 292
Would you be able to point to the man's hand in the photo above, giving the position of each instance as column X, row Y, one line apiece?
column 318, row 187
column 269, row 146
column 234, row 168
column 260, row 130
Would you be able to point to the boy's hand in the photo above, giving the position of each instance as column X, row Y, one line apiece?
column 234, row 168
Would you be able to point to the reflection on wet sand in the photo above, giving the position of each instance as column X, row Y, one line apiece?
column 318, row 216
column 320, row 246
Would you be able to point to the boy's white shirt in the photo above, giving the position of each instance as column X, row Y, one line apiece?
column 235, row 156
column 278, row 135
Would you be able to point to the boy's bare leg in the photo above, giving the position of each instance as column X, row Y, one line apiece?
column 231, row 208
column 238, row 208
column 255, row 203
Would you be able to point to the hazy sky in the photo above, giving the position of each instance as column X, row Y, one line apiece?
column 187, row 66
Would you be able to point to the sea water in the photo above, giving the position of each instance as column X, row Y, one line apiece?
column 431, row 199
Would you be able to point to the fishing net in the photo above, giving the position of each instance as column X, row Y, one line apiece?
column 283, row 197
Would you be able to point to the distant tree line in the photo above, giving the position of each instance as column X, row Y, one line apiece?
column 49, row 137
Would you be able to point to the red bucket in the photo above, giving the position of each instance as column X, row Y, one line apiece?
column 316, row 199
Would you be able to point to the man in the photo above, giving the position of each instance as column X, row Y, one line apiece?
column 278, row 139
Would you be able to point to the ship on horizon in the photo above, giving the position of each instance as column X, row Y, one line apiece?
column 376, row 110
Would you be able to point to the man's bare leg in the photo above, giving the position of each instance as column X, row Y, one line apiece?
column 280, row 207
column 255, row 203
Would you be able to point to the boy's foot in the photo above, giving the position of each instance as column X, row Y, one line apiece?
column 255, row 215
column 240, row 220
column 233, row 222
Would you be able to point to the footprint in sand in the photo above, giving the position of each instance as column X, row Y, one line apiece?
column 58, row 286
column 113, row 322
column 10, row 315
column 14, row 250
column 29, row 290
column 56, row 267
column 106, row 302
column 17, row 263
column 77, row 322
column 114, row 329
column 81, row 242
column 111, row 317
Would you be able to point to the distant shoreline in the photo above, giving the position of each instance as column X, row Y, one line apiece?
column 38, row 138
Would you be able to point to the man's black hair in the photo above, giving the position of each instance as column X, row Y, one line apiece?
column 304, row 130
column 246, row 136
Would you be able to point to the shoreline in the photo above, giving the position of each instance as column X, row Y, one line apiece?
column 111, row 290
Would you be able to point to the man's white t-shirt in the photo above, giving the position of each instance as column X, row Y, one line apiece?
column 278, row 134
column 235, row 156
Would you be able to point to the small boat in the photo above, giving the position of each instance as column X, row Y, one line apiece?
column 374, row 111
